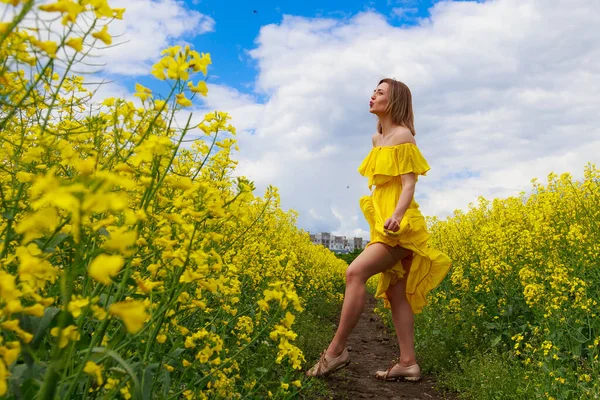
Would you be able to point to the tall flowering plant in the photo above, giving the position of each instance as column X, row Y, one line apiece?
column 133, row 263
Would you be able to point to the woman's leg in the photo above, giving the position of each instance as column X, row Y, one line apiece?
column 403, row 316
column 376, row 258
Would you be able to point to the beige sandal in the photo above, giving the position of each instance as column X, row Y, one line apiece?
column 397, row 372
column 328, row 365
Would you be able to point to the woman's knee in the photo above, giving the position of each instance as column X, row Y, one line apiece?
column 354, row 274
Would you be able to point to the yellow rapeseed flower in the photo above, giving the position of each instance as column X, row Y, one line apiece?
column 288, row 320
column 36, row 310
column 160, row 104
column 182, row 100
column 146, row 285
column 99, row 312
column 48, row 46
column 75, row 43
column 118, row 13
column 66, row 334
column 101, row 8
column 168, row 367
column 3, row 381
column 34, row 270
column 200, row 62
column 23, row 176
column 201, row 88
column 103, row 35
column 76, row 304
column 177, row 68
column 158, row 70
column 95, row 370
column 132, row 313
column 4, row 27
column 121, row 240
column 8, row 289
column 68, row 8
column 104, row 267
column 161, row 338
column 125, row 392
column 10, row 352
column 142, row 92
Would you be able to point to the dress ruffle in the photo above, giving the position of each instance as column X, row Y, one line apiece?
column 393, row 161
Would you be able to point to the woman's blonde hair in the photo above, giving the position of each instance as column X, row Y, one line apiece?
column 399, row 105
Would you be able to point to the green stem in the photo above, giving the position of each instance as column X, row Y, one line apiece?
column 8, row 230
column 50, row 385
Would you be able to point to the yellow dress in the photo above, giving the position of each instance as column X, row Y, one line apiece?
column 383, row 166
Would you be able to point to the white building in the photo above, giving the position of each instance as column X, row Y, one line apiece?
column 338, row 244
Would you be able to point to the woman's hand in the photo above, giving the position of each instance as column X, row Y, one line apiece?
column 392, row 223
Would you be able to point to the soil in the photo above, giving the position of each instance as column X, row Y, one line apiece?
column 373, row 347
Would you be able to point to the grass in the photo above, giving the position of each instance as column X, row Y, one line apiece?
column 488, row 376
column 315, row 328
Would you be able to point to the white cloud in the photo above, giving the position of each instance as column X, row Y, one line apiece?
column 404, row 12
column 147, row 27
column 244, row 109
column 402, row 2
column 504, row 91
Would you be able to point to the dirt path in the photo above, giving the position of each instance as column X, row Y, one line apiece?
column 373, row 348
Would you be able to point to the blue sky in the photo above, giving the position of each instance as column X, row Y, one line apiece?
column 238, row 24
column 503, row 91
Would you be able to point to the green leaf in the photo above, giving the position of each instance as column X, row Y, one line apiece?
column 115, row 356
column 105, row 300
column 84, row 341
column 23, row 372
column 27, row 322
column 26, row 389
column 496, row 340
column 49, row 314
column 148, row 380
column 51, row 246
column 490, row 325
column 166, row 383
column 176, row 353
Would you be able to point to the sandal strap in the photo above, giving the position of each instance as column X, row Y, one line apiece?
column 392, row 365
column 322, row 362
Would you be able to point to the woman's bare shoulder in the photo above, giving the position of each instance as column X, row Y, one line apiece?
column 402, row 136
column 374, row 139
column 399, row 136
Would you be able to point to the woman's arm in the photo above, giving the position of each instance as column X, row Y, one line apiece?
column 408, row 191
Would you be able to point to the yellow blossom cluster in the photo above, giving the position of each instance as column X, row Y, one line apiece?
column 133, row 260
column 526, row 276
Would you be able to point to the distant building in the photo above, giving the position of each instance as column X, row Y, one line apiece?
column 338, row 244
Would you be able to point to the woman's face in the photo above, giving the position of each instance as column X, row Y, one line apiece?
column 379, row 99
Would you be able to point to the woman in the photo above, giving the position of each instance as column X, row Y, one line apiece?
column 398, row 249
